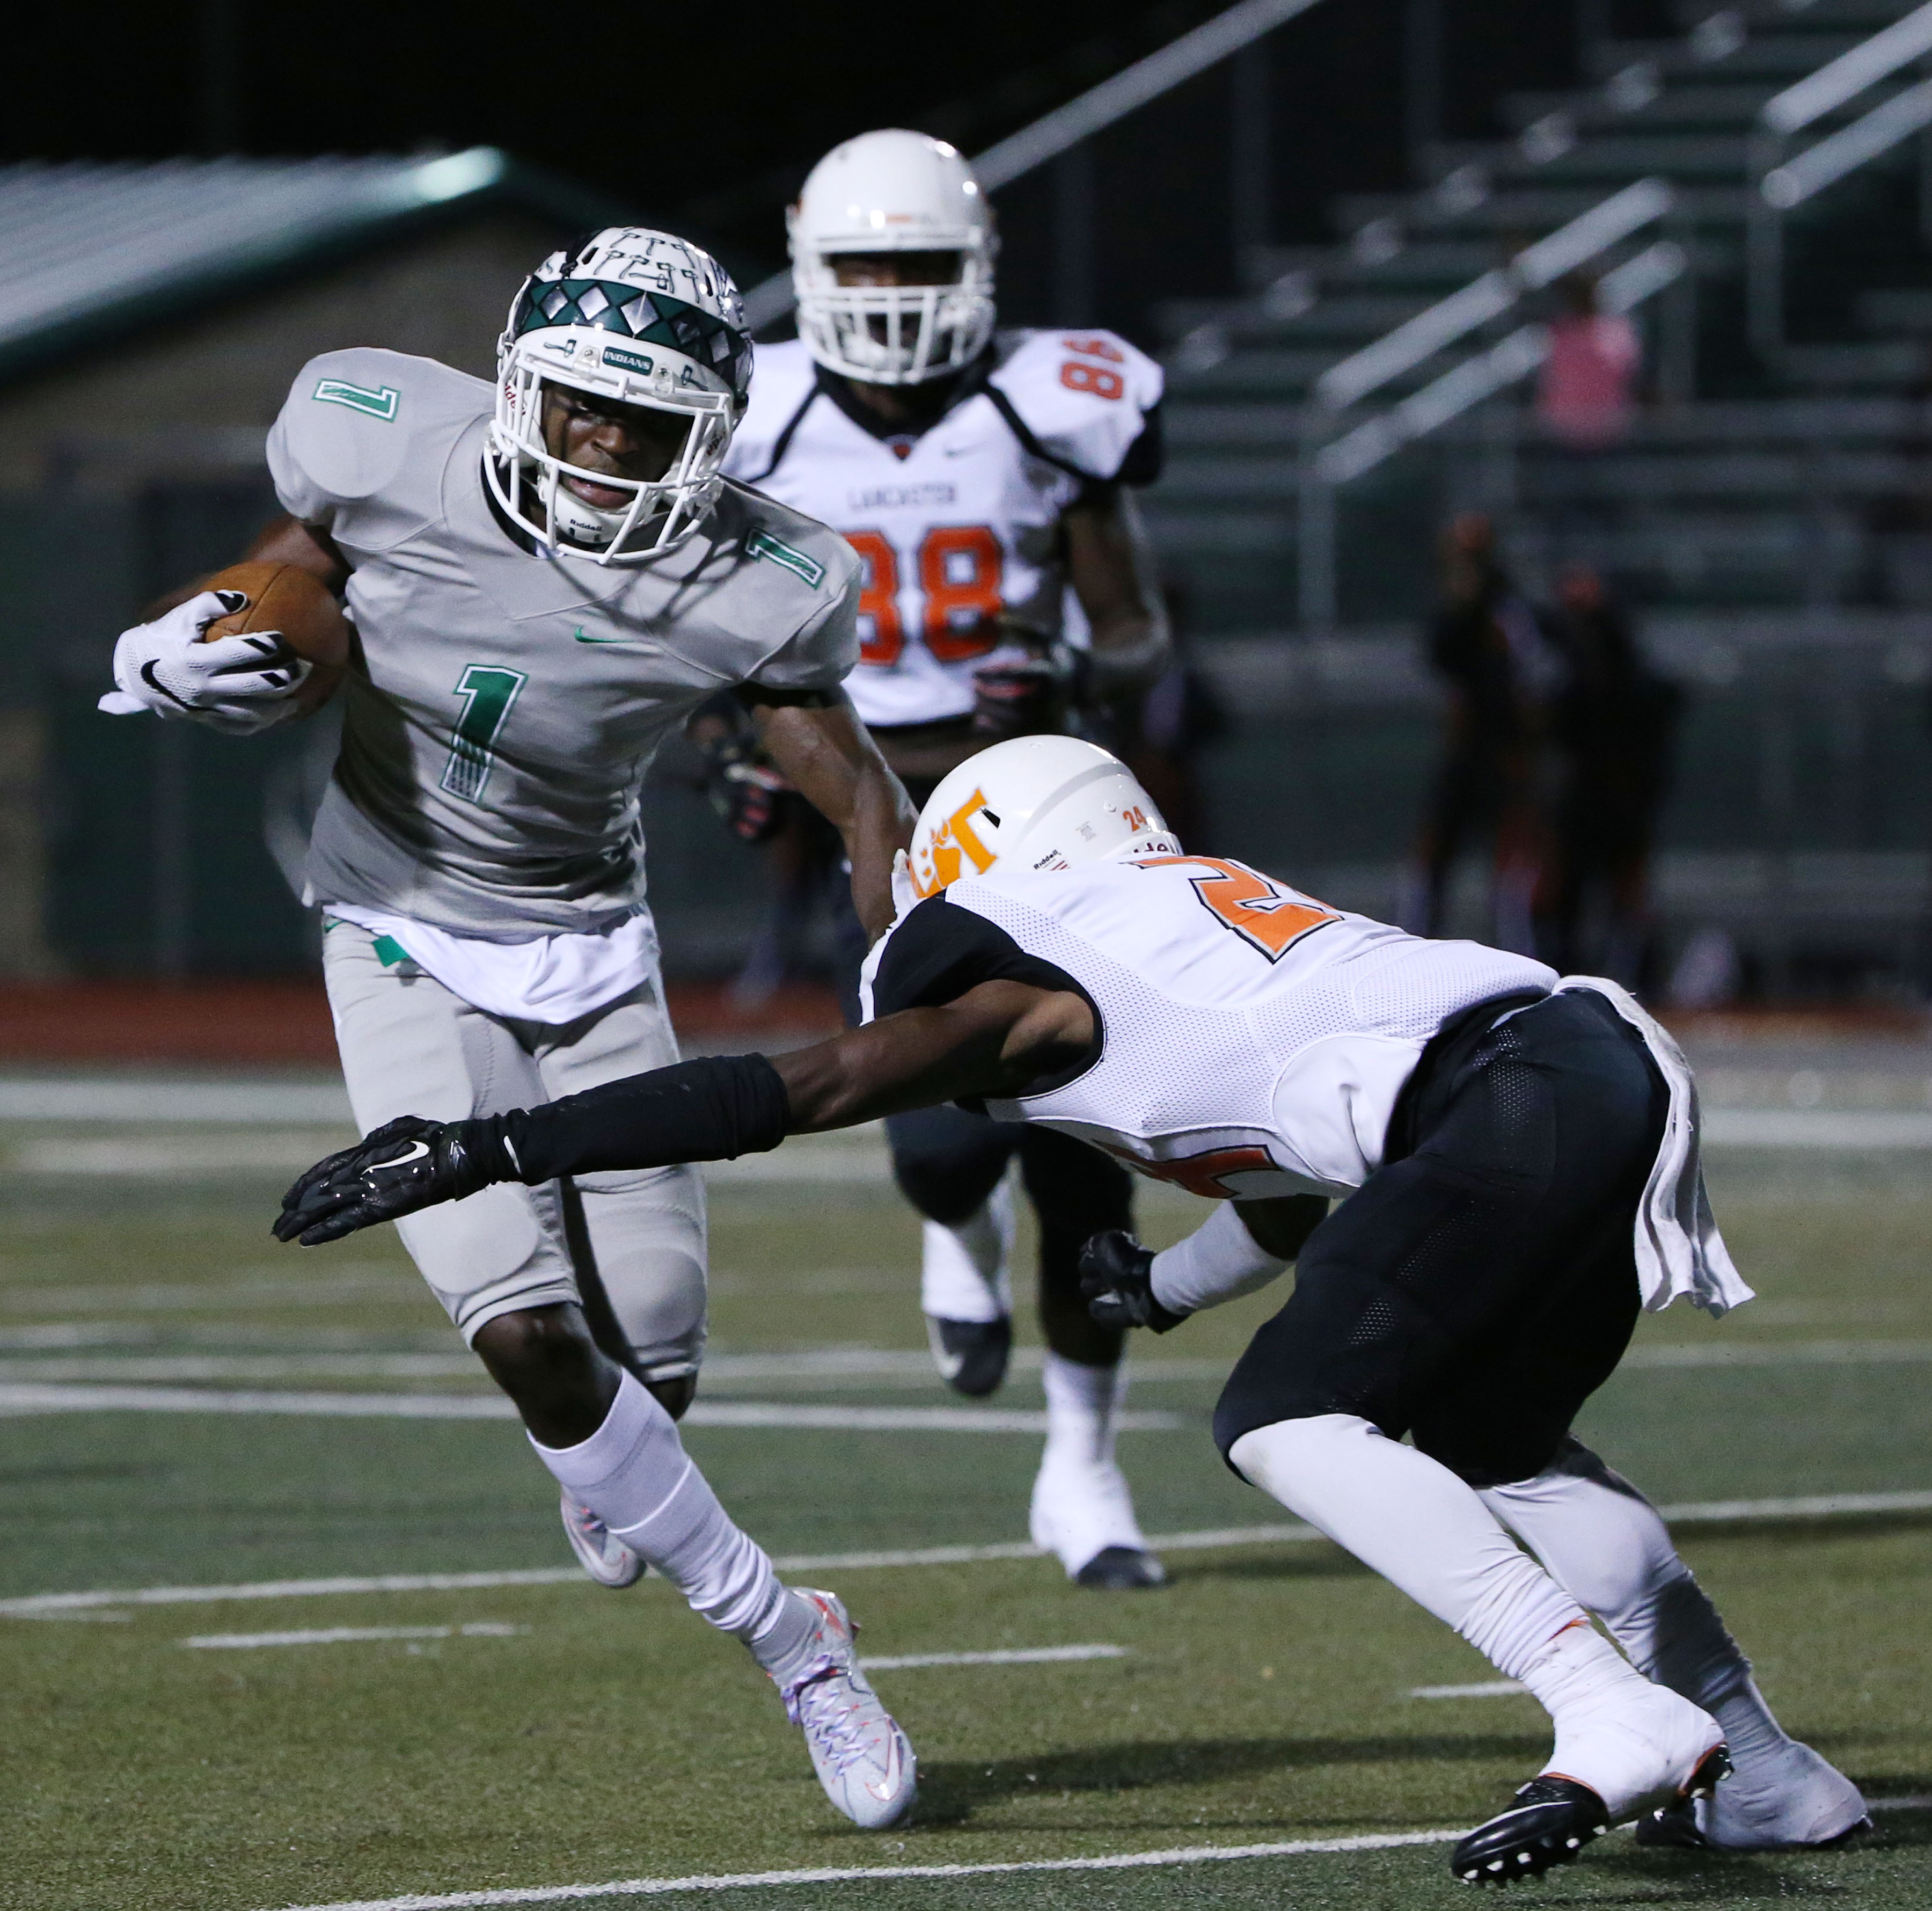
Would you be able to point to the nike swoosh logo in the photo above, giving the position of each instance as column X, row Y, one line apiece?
column 584, row 637
column 417, row 1150
column 153, row 682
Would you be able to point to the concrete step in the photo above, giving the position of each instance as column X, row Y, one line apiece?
column 1615, row 157
column 1522, row 210
column 1860, row 17
column 1908, row 309
column 1746, row 480
column 1689, row 107
column 1782, row 57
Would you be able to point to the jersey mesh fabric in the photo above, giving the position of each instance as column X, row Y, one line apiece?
column 1204, row 1031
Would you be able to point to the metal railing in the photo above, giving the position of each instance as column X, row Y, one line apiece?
column 1782, row 180
column 1057, row 134
column 1328, row 463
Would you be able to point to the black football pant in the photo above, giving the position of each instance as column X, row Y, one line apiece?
column 1474, row 1294
column 948, row 1162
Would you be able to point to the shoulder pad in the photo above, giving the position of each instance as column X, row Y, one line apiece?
column 353, row 416
column 817, row 556
column 782, row 378
column 1085, row 395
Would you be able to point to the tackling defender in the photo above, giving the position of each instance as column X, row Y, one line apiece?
column 1520, row 1155
column 545, row 580
column 985, row 480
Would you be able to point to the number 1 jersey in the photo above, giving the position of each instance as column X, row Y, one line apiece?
column 1252, row 1041
column 958, row 527
column 508, row 700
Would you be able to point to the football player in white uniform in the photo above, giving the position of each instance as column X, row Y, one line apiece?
column 985, row 479
column 1520, row 1158
column 546, row 578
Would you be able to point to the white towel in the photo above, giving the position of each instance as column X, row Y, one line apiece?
column 1679, row 1250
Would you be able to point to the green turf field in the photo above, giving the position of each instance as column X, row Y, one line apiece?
column 575, row 1736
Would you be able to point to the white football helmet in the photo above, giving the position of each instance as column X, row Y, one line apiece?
column 892, row 192
column 637, row 316
column 1035, row 803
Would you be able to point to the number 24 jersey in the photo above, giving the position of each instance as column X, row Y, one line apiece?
column 957, row 528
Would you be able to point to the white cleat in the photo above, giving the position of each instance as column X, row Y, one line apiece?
column 863, row 1759
column 598, row 1550
column 1621, row 1757
column 1643, row 1747
column 1788, row 1800
column 1084, row 1513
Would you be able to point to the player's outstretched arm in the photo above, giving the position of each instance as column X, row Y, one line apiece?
column 997, row 1039
column 1112, row 568
column 822, row 750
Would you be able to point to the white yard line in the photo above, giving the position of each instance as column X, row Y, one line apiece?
column 1711, row 1512
column 351, row 1636
column 1488, row 1688
column 1033, row 1655
column 1134, row 1861
column 22, row 1398
column 1809, row 1129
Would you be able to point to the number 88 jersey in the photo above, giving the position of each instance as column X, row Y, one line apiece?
column 958, row 527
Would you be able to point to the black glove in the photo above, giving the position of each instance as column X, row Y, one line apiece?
column 1117, row 1279
column 406, row 1164
column 747, row 792
column 1030, row 696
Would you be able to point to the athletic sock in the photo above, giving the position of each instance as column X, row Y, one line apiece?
column 964, row 1271
column 633, row 1473
column 1417, row 1525
column 1219, row 1260
column 1604, row 1541
column 1080, row 1504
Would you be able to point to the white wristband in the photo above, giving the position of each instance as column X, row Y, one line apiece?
column 1219, row 1261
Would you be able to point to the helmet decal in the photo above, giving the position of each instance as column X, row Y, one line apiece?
column 657, row 318
column 578, row 321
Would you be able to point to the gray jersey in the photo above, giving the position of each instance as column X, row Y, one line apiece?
column 510, row 701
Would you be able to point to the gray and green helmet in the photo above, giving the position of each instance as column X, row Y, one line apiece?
column 641, row 317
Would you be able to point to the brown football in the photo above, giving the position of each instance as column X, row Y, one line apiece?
column 282, row 598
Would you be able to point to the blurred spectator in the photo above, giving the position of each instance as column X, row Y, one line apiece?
column 1504, row 676
column 1586, row 391
column 1611, row 729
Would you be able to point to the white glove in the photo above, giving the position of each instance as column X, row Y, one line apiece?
column 236, row 684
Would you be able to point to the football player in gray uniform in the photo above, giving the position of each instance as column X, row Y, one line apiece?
column 545, row 579
column 1520, row 1157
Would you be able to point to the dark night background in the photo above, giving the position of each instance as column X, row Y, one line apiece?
column 707, row 119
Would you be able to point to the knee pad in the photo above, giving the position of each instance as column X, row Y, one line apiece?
column 947, row 1171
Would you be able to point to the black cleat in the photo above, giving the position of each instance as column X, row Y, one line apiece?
column 1549, row 1821
column 1121, row 1569
column 1674, row 1827
column 970, row 1355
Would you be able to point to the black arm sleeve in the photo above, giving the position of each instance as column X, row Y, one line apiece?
column 710, row 1110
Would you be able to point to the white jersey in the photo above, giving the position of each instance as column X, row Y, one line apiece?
column 1254, row 1041
column 959, row 528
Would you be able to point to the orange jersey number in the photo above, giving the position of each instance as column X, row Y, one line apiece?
column 1100, row 379
column 960, row 571
column 1202, row 1174
column 881, row 636
column 1263, row 914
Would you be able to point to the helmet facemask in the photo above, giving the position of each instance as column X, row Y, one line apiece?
column 895, row 334
column 630, row 344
